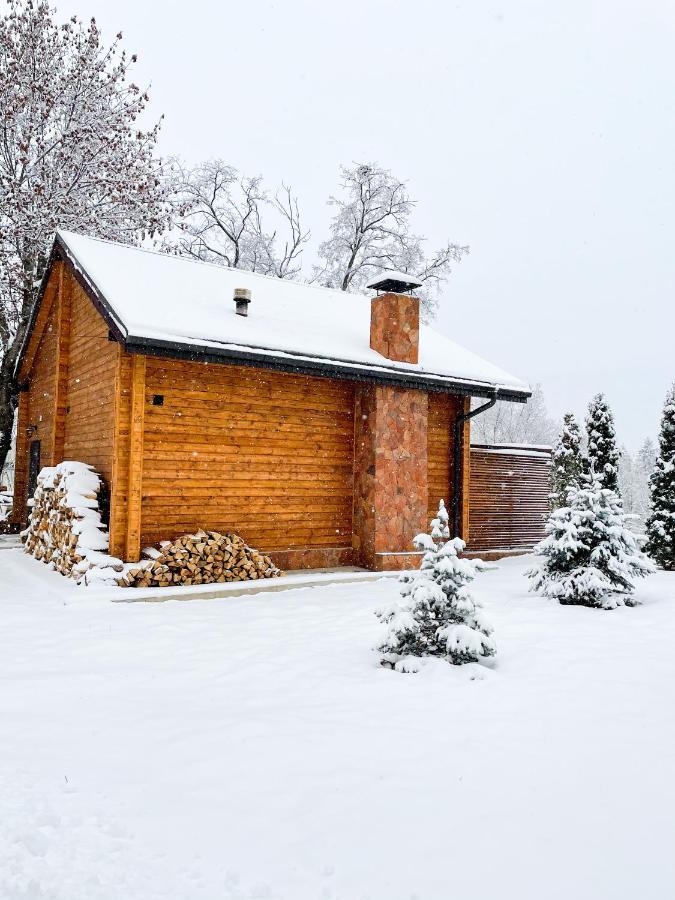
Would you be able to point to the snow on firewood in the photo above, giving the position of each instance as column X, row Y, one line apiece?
column 206, row 557
column 65, row 529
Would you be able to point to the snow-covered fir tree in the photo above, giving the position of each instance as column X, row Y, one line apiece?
column 603, row 454
column 661, row 521
column 589, row 557
column 567, row 463
column 437, row 615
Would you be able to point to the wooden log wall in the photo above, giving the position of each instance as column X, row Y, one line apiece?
column 266, row 454
column 36, row 421
column 509, row 497
column 443, row 410
column 90, row 392
column 69, row 373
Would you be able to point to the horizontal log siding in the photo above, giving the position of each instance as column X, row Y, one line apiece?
column 90, row 386
column 37, row 407
column 70, row 368
column 509, row 499
column 266, row 454
column 443, row 410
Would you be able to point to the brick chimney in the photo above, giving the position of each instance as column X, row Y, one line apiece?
column 395, row 317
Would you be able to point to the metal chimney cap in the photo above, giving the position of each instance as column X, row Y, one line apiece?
column 396, row 282
column 242, row 298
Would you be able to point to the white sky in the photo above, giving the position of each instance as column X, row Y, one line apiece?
column 540, row 133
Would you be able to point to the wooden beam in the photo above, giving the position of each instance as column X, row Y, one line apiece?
column 136, row 420
column 19, row 512
column 466, row 472
column 61, row 367
column 117, row 530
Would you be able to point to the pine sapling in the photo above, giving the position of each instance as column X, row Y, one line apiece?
column 437, row 615
column 661, row 521
column 589, row 557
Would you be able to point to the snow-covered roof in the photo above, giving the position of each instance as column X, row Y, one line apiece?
column 167, row 302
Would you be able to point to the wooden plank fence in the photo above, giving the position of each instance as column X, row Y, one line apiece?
column 510, row 485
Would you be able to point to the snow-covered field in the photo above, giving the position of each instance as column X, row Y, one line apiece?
column 252, row 748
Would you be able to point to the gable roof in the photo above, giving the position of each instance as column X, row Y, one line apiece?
column 168, row 305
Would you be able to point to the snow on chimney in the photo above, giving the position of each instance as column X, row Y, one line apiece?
column 395, row 317
column 242, row 298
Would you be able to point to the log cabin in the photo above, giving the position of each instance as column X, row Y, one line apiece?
column 321, row 426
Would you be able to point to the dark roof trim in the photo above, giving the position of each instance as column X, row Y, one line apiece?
column 227, row 355
column 308, row 366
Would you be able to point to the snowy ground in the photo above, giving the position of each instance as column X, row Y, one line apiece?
column 252, row 748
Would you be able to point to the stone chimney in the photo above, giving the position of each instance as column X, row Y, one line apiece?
column 395, row 317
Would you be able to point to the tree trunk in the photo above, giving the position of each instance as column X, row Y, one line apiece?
column 9, row 389
column 7, row 405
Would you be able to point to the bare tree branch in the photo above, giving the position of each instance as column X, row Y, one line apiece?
column 221, row 219
column 371, row 231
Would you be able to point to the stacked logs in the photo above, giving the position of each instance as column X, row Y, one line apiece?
column 65, row 529
column 206, row 557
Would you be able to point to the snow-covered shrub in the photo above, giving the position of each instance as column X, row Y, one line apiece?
column 437, row 615
column 661, row 522
column 589, row 557
column 65, row 529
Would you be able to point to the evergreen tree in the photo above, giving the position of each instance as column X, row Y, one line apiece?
column 567, row 462
column 603, row 455
column 661, row 522
column 589, row 557
column 437, row 615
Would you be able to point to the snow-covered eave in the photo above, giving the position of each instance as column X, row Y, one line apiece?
column 222, row 352
column 545, row 450
column 301, row 364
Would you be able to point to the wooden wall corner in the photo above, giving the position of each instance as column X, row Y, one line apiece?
column 135, row 477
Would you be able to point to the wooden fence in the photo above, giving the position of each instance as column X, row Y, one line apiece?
column 509, row 496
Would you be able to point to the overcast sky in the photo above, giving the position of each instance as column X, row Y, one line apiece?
column 541, row 134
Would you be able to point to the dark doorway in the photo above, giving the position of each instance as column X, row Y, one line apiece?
column 33, row 467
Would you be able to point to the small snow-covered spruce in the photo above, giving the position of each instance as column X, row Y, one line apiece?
column 589, row 557
column 661, row 522
column 603, row 454
column 437, row 615
column 567, row 462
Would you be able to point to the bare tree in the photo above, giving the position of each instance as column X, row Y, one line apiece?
column 221, row 220
column 71, row 155
column 371, row 231
column 516, row 423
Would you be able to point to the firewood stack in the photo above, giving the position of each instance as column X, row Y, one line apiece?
column 206, row 557
column 65, row 528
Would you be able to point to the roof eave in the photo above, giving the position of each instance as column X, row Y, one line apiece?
column 321, row 367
